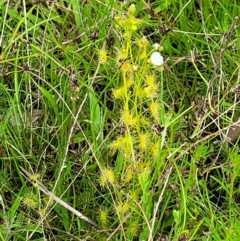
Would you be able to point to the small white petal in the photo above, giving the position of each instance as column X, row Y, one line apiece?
column 156, row 46
column 156, row 58
column 135, row 67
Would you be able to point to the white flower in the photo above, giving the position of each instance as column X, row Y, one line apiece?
column 156, row 58
column 156, row 46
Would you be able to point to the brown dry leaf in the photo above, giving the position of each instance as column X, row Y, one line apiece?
column 236, row 89
column 234, row 131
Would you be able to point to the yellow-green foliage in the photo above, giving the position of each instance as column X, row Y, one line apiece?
column 138, row 93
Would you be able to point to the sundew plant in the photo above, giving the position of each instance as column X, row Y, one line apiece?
column 138, row 144
column 119, row 120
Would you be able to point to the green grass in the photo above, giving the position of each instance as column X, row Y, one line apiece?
column 79, row 163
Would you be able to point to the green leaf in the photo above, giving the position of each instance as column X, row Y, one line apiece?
column 176, row 215
column 14, row 207
column 30, row 228
column 2, row 2
column 51, row 101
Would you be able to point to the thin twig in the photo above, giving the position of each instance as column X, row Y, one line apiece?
column 156, row 208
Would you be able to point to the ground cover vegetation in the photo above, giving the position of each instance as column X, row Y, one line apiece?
column 119, row 120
